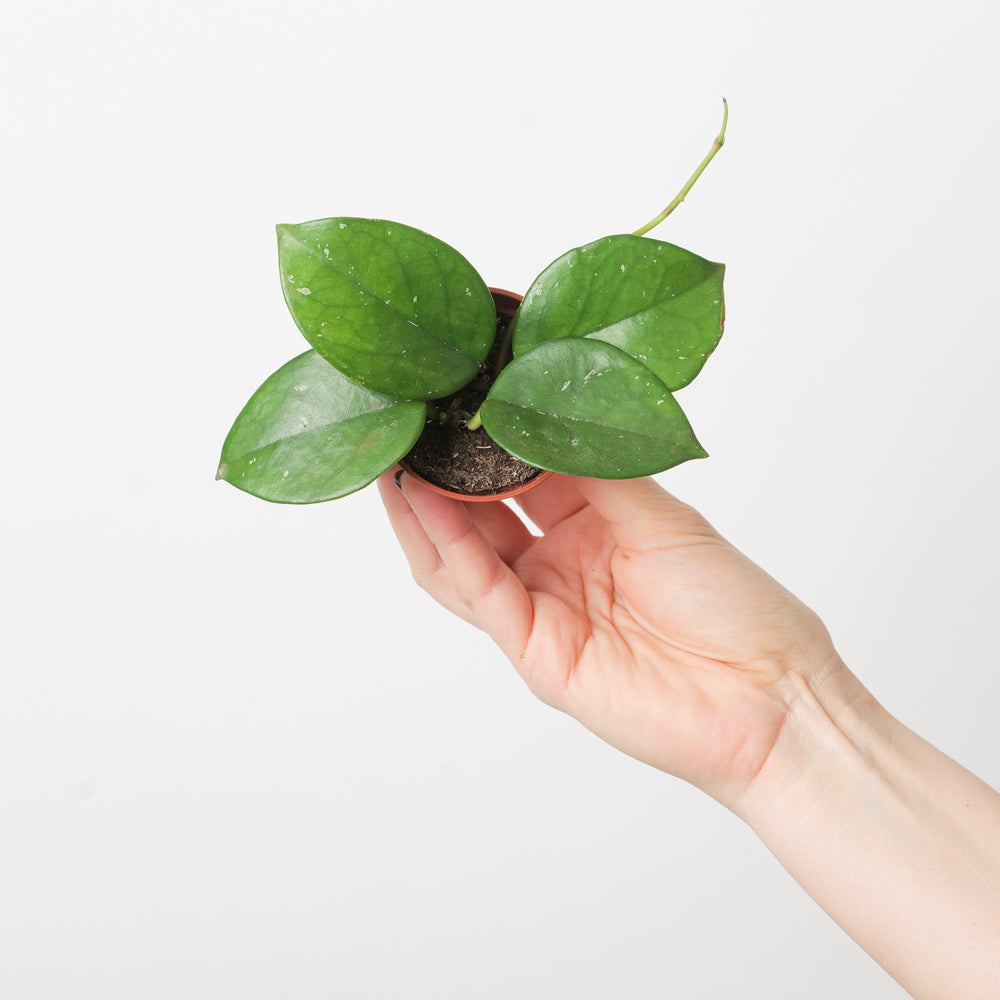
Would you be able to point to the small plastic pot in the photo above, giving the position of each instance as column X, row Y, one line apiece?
column 506, row 303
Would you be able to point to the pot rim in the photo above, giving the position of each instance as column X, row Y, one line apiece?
column 506, row 494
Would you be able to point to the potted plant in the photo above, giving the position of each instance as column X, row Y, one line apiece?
column 414, row 359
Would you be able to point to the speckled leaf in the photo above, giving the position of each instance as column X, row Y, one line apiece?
column 391, row 307
column 657, row 302
column 309, row 433
column 586, row 408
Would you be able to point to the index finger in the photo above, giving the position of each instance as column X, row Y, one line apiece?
column 496, row 597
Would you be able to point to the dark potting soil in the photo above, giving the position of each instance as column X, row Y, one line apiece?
column 451, row 456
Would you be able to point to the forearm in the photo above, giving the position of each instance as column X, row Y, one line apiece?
column 897, row 842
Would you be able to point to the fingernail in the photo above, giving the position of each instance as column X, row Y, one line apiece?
column 396, row 479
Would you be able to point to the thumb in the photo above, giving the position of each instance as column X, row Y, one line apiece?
column 644, row 517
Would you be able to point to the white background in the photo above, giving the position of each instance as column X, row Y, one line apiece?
column 241, row 755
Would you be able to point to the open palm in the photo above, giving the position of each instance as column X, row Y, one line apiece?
column 629, row 612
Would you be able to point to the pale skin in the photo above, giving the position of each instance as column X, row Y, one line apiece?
column 632, row 614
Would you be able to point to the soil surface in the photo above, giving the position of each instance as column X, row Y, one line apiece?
column 451, row 456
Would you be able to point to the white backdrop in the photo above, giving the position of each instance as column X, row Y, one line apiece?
column 241, row 755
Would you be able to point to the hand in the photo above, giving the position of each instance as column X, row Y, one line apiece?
column 630, row 613
column 633, row 615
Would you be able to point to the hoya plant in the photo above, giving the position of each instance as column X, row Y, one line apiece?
column 411, row 353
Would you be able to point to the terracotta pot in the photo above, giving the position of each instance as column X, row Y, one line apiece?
column 506, row 303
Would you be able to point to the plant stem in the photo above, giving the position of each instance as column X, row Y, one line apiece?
column 503, row 351
column 682, row 194
column 499, row 356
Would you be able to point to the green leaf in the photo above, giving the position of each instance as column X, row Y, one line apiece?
column 309, row 433
column 394, row 309
column 586, row 408
column 657, row 302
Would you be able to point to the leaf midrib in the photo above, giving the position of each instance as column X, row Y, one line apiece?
column 309, row 431
column 639, row 312
column 379, row 301
column 562, row 418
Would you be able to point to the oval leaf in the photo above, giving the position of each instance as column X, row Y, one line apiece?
column 391, row 307
column 309, row 434
column 655, row 301
column 586, row 408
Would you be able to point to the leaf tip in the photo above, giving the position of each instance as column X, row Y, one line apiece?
column 221, row 471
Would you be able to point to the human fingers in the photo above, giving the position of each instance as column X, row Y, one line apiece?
column 504, row 530
column 425, row 561
column 498, row 523
column 551, row 502
column 489, row 587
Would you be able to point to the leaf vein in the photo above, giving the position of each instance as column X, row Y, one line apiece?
column 564, row 418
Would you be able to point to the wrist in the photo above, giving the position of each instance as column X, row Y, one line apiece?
column 832, row 728
column 891, row 837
